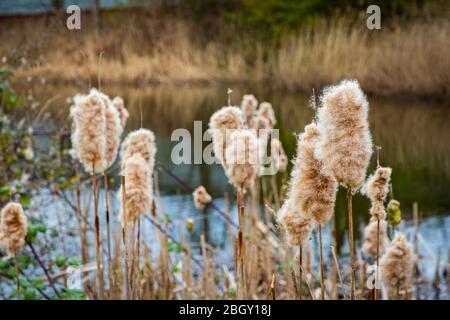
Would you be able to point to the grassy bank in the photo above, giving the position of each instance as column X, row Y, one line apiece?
column 408, row 59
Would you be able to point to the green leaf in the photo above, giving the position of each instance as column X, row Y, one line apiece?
column 31, row 233
column 61, row 261
column 25, row 200
column 42, row 228
column 5, row 191
column 4, row 264
column 74, row 262
column 170, row 246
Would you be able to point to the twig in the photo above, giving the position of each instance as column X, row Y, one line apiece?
column 41, row 264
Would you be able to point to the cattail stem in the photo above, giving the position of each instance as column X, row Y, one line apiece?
column 350, row 240
column 300, row 269
column 322, row 286
column 108, row 231
column 240, row 251
column 375, row 292
column 138, row 255
column 124, row 236
column 17, row 276
column 97, row 233
column 133, row 258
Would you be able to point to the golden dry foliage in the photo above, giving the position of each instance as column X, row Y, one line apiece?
column 13, row 228
column 345, row 144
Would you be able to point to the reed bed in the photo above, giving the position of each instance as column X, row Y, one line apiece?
column 404, row 58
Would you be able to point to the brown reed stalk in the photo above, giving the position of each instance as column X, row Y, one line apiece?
column 334, row 292
column 272, row 294
column 338, row 270
column 133, row 259
column 300, row 269
column 108, row 231
column 138, row 264
column 375, row 292
column 241, row 247
column 124, row 236
column 350, row 240
column 97, row 234
column 322, row 286
column 17, row 276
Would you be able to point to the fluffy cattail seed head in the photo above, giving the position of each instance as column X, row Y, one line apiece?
column 248, row 107
column 88, row 133
column 265, row 111
column 345, row 145
column 139, row 190
column 370, row 238
column 201, row 197
column 278, row 154
column 113, row 129
column 397, row 266
column 312, row 190
column 119, row 104
column 222, row 123
column 377, row 185
column 377, row 211
column 242, row 159
column 297, row 226
column 13, row 228
column 140, row 142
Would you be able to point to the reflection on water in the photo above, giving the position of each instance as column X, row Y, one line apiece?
column 413, row 137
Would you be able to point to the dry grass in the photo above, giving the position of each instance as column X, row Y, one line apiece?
column 409, row 59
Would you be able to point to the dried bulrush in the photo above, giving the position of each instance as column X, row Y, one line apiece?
column 312, row 190
column 222, row 124
column 119, row 104
column 248, row 108
column 345, row 144
column 114, row 129
column 297, row 225
column 298, row 228
column 376, row 189
column 397, row 267
column 88, row 131
column 136, row 191
column 201, row 197
column 13, row 230
column 375, row 238
column 278, row 154
column 90, row 145
column 265, row 111
column 242, row 159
